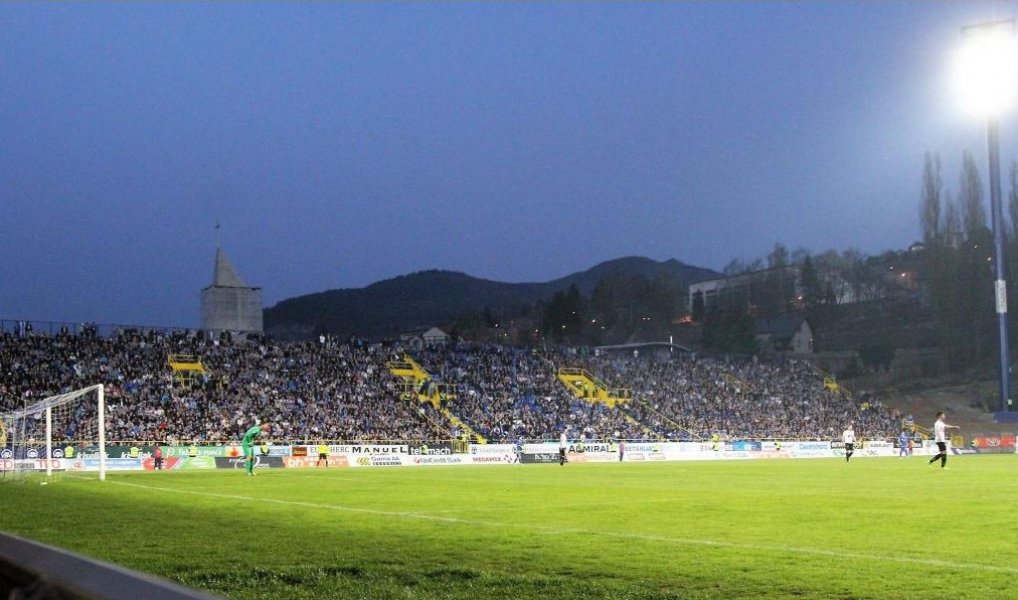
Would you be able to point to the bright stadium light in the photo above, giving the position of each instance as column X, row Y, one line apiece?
column 985, row 69
column 986, row 79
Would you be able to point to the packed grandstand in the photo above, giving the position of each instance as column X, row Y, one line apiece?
column 352, row 392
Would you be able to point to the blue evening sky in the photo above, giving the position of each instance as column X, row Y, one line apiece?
column 341, row 144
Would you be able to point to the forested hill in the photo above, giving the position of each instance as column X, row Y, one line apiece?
column 438, row 298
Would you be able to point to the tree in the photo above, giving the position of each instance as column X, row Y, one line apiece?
column 623, row 304
column 488, row 317
column 812, row 287
column 835, row 272
column 878, row 353
column 728, row 327
column 952, row 220
column 563, row 316
column 958, row 268
column 930, row 199
column 698, row 307
column 779, row 286
column 971, row 197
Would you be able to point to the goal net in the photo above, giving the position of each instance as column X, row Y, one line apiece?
column 59, row 434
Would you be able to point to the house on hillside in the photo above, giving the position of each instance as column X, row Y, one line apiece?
column 424, row 337
column 787, row 334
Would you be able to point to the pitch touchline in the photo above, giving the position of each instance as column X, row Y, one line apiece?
column 932, row 562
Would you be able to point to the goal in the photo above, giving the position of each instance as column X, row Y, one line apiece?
column 61, row 433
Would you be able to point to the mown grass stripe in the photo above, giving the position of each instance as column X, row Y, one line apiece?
column 930, row 562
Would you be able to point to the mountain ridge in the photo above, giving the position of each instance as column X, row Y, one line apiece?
column 437, row 297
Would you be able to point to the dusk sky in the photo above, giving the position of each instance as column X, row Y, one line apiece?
column 343, row 144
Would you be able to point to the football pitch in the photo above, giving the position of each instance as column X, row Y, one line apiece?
column 821, row 528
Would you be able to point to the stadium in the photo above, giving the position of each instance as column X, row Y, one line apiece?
column 436, row 472
column 435, row 395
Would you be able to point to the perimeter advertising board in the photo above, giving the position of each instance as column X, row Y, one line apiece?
column 261, row 462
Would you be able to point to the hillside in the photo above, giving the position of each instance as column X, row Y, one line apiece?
column 436, row 297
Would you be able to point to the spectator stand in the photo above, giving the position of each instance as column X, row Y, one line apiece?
column 418, row 383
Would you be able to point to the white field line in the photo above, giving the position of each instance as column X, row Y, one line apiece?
column 929, row 562
column 331, row 478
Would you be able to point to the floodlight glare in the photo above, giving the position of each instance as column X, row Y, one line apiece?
column 986, row 77
column 985, row 69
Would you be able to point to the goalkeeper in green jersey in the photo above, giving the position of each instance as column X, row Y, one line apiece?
column 248, row 444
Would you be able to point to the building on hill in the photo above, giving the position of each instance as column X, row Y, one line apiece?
column 229, row 304
column 790, row 334
column 424, row 337
column 749, row 285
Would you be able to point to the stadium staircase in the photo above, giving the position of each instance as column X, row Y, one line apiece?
column 584, row 385
column 741, row 384
column 418, row 383
column 672, row 422
column 187, row 368
column 832, row 385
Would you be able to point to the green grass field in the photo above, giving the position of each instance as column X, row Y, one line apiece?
column 874, row 528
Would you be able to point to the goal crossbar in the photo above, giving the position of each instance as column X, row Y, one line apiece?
column 45, row 408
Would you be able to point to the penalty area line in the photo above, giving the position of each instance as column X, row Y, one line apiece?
column 930, row 562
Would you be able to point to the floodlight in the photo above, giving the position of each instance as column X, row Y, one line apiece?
column 986, row 78
column 985, row 69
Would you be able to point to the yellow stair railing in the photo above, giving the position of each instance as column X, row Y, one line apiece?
column 672, row 422
column 187, row 368
column 584, row 385
column 743, row 385
column 418, row 384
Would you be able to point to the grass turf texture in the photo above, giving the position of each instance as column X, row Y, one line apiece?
column 872, row 528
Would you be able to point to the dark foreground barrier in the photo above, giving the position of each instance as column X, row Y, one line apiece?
column 33, row 571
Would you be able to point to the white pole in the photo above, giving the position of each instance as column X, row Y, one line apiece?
column 49, row 441
column 102, row 433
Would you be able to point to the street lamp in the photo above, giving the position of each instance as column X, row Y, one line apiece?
column 986, row 75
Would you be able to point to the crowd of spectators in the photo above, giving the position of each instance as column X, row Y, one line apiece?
column 678, row 396
column 506, row 392
column 306, row 391
column 345, row 392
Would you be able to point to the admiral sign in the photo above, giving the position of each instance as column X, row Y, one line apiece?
column 603, row 448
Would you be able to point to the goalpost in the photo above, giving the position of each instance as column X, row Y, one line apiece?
column 36, row 437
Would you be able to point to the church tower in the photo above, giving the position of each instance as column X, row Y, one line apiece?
column 229, row 304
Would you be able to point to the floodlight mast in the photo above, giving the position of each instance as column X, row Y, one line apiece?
column 1000, row 285
column 988, row 78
